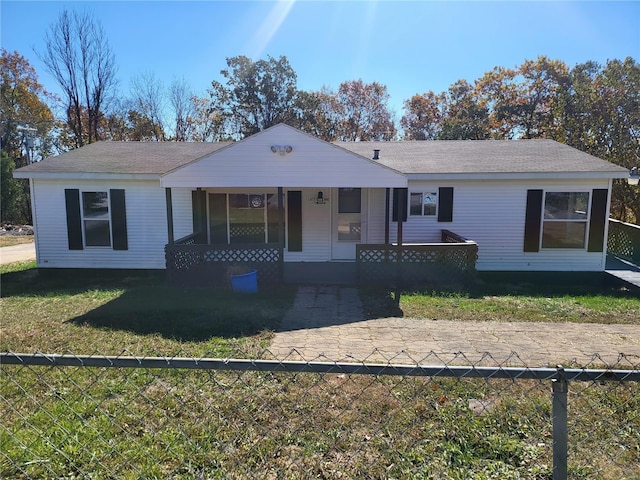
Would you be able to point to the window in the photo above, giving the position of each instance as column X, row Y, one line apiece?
column 253, row 218
column 95, row 219
column 349, row 214
column 565, row 219
column 423, row 203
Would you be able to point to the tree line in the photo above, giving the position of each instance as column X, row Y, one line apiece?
column 593, row 107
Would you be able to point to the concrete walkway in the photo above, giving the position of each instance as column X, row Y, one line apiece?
column 17, row 253
column 327, row 324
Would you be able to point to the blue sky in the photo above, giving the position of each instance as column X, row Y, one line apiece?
column 411, row 47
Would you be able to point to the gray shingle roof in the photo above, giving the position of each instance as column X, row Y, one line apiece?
column 482, row 156
column 125, row 157
column 416, row 157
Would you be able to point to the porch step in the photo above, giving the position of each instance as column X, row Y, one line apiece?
column 320, row 273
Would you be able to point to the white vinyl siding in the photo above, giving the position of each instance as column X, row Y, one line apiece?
column 375, row 215
column 312, row 162
column 489, row 212
column 492, row 214
column 146, row 226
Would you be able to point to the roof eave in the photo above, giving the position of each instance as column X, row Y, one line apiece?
column 85, row 176
column 517, row 176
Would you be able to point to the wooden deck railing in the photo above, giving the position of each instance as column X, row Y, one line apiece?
column 191, row 263
column 452, row 261
column 448, row 236
column 624, row 241
column 194, row 264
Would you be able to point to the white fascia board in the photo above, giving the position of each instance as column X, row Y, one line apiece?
column 516, row 176
column 86, row 176
column 398, row 182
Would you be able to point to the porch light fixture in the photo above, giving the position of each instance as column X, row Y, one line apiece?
column 634, row 177
column 282, row 149
column 320, row 198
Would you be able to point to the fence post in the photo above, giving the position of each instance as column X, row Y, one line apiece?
column 560, row 388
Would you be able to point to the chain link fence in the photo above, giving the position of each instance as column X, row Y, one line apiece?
column 69, row 416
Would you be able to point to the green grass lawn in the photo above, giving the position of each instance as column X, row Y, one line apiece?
column 512, row 303
column 112, row 312
column 609, row 307
column 186, row 424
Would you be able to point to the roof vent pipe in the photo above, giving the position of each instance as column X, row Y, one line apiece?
column 376, row 154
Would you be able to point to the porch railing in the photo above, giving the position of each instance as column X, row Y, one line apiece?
column 451, row 261
column 624, row 241
column 192, row 263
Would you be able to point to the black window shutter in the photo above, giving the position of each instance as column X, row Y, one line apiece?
column 199, row 211
column 74, row 222
column 597, row 220
column 400, row 199
column 218, row 218
column 445, row 204
column 118, row 219
column 532, row 221
column 294, row 220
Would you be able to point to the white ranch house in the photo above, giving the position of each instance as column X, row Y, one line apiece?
column 296, row 201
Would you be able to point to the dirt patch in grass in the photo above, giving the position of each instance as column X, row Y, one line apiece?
column 10, row 240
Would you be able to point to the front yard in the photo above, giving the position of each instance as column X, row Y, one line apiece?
column 69, row 422
column 111, row 312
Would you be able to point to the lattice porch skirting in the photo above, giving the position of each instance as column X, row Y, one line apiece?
column 414, row 265
column 211, row 265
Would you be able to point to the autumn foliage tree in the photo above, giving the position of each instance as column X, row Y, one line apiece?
column 602, row 117
column 522, row 100
column 423, row 117
column 22, row 103
column 317, row 113
column 363, row 109
column 255, row 95
column 591, row 107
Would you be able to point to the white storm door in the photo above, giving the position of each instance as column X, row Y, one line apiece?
column 347, row 229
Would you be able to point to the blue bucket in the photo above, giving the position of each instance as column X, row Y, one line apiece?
column 246, row 282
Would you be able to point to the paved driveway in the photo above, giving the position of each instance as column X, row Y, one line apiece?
column 17, row 253
column 327, row 323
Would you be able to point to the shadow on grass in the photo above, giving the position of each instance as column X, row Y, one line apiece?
column 191, row 314
column 533, row 284
column 145, row 306
column 379, row 303
column 35, row 282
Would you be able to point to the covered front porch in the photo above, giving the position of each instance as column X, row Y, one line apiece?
column 191, row 261
column 294, row 208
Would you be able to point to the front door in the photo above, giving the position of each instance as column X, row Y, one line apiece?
column 347, row 223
